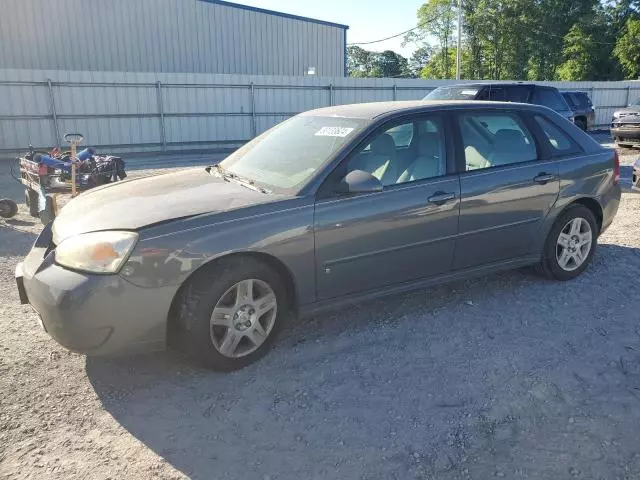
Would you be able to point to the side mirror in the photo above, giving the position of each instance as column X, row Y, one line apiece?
column 360, row 181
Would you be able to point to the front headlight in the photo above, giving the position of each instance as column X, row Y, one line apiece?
column 96, row 252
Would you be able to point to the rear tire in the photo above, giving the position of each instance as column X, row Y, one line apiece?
column 224, row 325
column 582, row 124
column 570, row 245
column 8, row 208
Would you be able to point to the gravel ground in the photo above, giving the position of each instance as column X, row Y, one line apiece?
column 506, row 376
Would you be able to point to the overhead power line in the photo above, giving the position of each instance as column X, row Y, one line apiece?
column 420, row 25
column 541, row 32
column 549, row 34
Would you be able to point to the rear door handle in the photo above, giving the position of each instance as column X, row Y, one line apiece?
column 543, row 178
column 440, row 198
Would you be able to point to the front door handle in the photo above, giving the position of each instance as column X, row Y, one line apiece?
column 440, row 198
column 543, row 178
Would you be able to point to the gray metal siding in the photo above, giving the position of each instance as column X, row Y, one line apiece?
column 123, row 111
column 190, row 36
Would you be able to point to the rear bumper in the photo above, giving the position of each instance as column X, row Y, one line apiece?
column 93, row 314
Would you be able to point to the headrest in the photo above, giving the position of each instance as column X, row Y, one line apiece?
column 509, row 137
column 384, row 145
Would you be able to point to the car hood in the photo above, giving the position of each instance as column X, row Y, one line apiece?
column 132, row 204
column 627, row 114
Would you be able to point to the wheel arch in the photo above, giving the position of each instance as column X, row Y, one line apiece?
column 273, row 262
column 593, row 205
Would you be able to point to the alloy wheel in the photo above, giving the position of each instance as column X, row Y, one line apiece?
column 574, row 244
column 243, row 318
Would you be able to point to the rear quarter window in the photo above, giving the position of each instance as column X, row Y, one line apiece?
column 559, row 142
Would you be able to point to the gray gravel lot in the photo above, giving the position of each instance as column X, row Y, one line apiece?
column 505, row 376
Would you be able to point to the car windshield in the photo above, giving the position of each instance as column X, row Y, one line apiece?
column 287, row 155
column 459, row 92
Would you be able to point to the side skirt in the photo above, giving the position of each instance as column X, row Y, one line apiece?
column 333, row 303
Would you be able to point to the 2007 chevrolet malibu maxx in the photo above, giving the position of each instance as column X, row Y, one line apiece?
column 331, row 206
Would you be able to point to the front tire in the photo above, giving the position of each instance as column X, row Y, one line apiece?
column 570, row 245
column 229, row 314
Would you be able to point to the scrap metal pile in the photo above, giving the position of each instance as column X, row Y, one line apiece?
column 45, row 173
column 54, row 169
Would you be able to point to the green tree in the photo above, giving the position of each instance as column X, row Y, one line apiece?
column 552, row 21
column 579, row 54
column 363, row 63
column 389, row 64
column 437, row 18
column 528, row 39
column 437, row 66
column 359, row 61
column 627, row 49
column 587, row 51
column 419, row 60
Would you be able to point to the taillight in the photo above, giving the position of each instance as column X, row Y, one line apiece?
column 42, row 170
column 616, row 168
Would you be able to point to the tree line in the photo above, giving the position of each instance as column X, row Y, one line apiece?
column 515, row 40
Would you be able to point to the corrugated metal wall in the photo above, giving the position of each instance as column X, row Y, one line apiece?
column 151, row 112
column 193, row 36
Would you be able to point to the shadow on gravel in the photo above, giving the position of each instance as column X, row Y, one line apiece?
column 19, row 223
column 13, row 241
column 479, row 378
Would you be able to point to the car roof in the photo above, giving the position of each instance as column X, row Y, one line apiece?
column 495, row 84
column 376, row 109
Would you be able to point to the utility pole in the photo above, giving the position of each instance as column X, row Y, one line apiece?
column 459, row 49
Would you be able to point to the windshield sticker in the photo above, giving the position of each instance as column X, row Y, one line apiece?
column 469, row 92
column 334, row 132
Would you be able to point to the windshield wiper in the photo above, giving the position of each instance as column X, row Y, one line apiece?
column 245, row 182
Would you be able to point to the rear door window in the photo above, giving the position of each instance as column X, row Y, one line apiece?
column 561, row 144
column 551, row 98
column 505, row 93
column 517, row 94
column 497, row 94
column 495, row 139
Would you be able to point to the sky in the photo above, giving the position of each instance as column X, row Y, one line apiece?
column 367, row 19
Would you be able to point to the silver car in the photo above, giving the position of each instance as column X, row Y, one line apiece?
column 330, row 207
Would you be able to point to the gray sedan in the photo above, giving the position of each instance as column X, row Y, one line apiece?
column 330, row 207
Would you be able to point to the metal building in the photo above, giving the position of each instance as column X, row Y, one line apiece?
column 186, row 36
